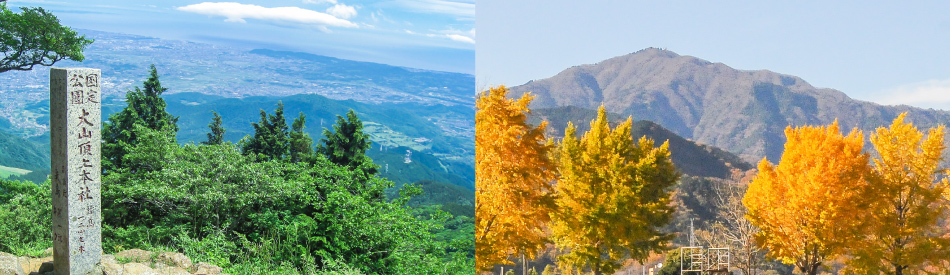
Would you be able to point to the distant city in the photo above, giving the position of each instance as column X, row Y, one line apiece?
column 239, row 73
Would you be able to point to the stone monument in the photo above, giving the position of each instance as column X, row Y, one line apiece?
column 75, row 124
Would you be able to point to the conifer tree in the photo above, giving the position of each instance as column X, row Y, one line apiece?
column 347, row 144
column 216, row 136
column 300, row 141
column 270, row 140
column 146, row 108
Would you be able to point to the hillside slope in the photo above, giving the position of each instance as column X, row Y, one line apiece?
column 454, row 199
column 744, row 112
column 439, row 136
column 20, row 153
column 689, row 157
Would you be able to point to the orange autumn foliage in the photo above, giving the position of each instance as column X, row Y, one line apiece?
column 513, row 176
column 810, row 204
column 903, row 231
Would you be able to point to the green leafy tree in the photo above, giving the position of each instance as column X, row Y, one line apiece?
column 35, row 37
column 146, row 108
column 300, row 142
column 25, row 217
column 216, row 136
column 347, row 144
column 270, row 140
column 671, row 265
column 298, row 211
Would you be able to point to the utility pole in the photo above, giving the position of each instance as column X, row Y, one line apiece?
column 692, row 238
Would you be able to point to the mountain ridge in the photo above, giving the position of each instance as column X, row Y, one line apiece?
column 441, row 149
column 741, row 111
column 231, row 72
column 689, row 157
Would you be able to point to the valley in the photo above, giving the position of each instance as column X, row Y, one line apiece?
column 235, row 73
column 429, row 113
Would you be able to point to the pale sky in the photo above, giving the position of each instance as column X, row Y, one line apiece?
column 885, row 52
column 426, row 34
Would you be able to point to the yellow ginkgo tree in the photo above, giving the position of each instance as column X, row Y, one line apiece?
column 612, row 195
column 513, row 180
column 810, row 206
column 903, row 231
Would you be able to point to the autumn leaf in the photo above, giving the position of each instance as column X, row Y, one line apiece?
column 809, row 207
column 612, row 196
column 513, row 176
column 903, row 230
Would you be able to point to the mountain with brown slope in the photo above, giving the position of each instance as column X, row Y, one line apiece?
column 689, row 157
column 744, row 112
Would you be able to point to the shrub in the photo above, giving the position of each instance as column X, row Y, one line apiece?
column 25, row 217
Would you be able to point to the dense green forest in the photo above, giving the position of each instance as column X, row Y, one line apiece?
column 21, row 153
column 445, row 157
column 318, row 203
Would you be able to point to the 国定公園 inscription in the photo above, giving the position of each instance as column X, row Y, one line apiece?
column 75, row 141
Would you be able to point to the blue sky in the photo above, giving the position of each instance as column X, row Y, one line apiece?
column 426, row 34
column 885, row 52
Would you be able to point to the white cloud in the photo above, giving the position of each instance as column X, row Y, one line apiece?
column 927, row 94
column 458, row 8
column 461, row 38
column 342, row 11
column 237, row 12
column 454, row 35
column 378, row 16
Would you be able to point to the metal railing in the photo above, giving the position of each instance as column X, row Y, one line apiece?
column 697, row 260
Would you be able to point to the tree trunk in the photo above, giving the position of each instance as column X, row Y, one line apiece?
column 813, row 270
column 809, row 268
column 524, row 265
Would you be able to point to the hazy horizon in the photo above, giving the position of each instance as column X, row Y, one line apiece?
column 434, row 35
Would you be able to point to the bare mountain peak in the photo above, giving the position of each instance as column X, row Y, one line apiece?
column 663, row 52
